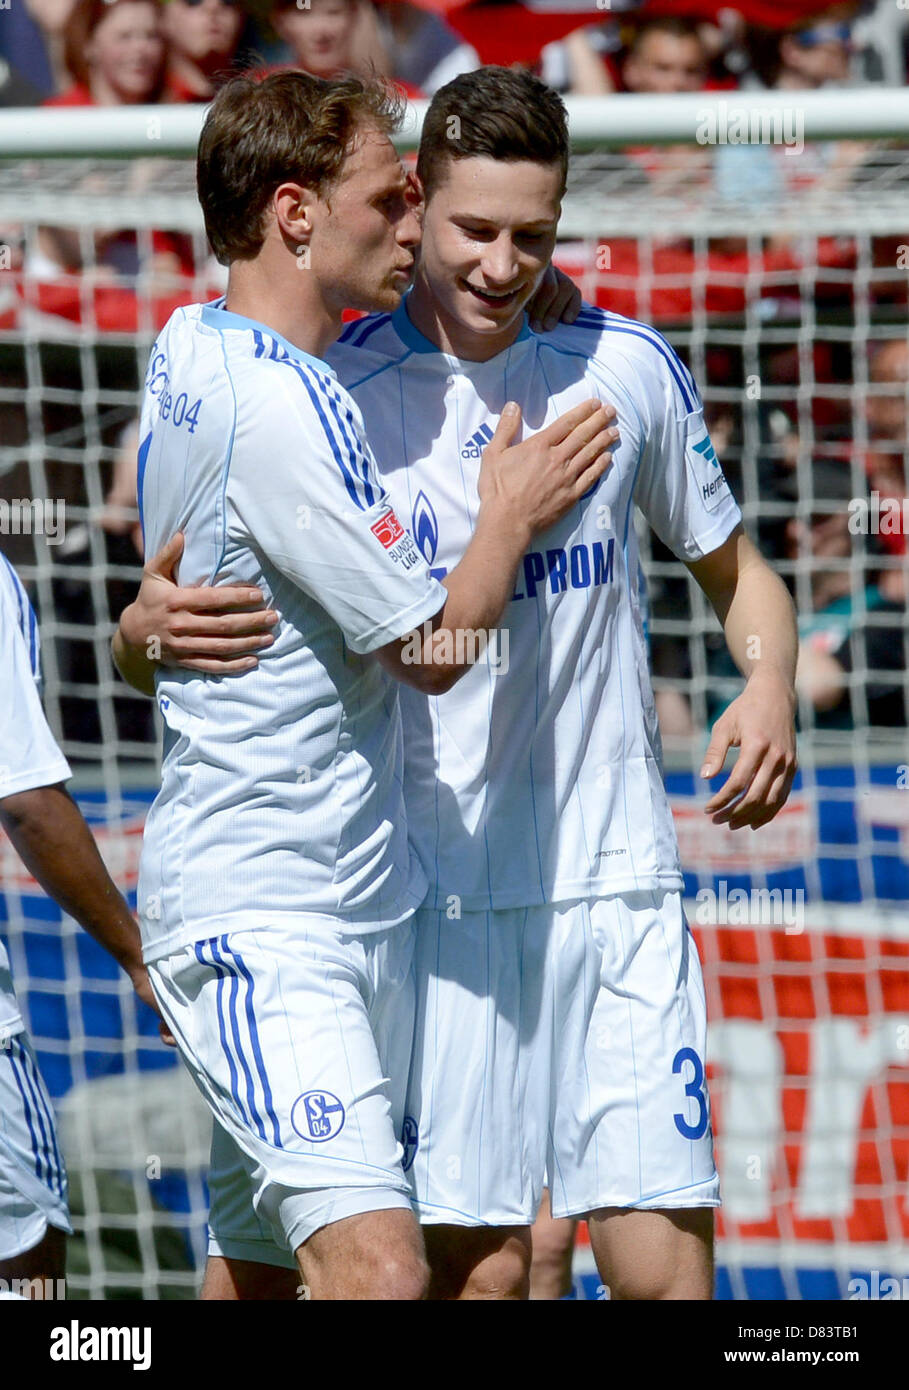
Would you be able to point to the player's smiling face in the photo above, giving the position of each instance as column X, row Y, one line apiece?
column 367, row 229
column 489, row 233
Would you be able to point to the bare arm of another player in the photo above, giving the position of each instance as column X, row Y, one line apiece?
column 754, row 606
column 524, row 488
column 200, row 628
column 57, row 847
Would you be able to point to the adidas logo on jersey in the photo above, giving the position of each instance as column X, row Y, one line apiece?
column 477, row 443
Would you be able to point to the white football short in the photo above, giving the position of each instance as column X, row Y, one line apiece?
column 298, row 1037
column 32, row 1175
column 560, row 1045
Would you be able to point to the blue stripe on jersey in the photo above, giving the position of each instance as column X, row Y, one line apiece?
column 225, row 471
column 351, row 328
column 140, row 478
column 618, row 652
column 649, row 335
column 221, row 972
column 254, row 1115
column 28, row 623
column 370, row 328
column 33, row 642
column 40, row 1153
column 313, row 387
column 254, row 1039
column 22, row 603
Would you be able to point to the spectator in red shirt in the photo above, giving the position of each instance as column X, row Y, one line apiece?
column 114, row 52
column 202, row 41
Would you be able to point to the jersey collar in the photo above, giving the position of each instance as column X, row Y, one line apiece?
column 214, row 315
column 411, row 336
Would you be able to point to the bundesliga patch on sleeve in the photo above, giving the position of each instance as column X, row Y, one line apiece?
column 388, row 529
column 705, row 467
column 399, row 543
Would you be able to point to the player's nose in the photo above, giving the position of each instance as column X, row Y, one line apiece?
column 500, row 263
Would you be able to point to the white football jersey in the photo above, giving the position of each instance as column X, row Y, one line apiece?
column 29, row 756
column 281, row 787
column 538, row 777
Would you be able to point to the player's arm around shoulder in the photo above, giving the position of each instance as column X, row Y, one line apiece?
column 758, row 618
column 212, row 629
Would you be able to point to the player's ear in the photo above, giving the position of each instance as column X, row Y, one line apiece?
column 293, row 209
column 416, row 194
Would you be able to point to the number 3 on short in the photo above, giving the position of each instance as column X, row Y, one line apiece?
column 694, row 1089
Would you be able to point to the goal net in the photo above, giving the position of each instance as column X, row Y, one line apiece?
column 780, row 276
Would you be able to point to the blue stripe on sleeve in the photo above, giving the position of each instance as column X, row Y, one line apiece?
column 21, row 597
column 351, row 482
column 351, row 439
column 591, row 319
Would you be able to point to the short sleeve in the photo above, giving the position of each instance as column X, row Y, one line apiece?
column 304, row 484
column 680, row 486
column 29, row 755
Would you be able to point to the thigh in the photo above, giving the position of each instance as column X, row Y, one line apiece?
column 274, row 1027
column 649, row 1254
column 552, row 1254
column 631, row 1119
column 478, row 1263
column 39, row 1272
column 244, row 1281
column 33, row 1190
column 477, row 1096
column 375, row 1255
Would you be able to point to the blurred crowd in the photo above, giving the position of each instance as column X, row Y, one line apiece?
column 117, row 52
column 813, row 457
